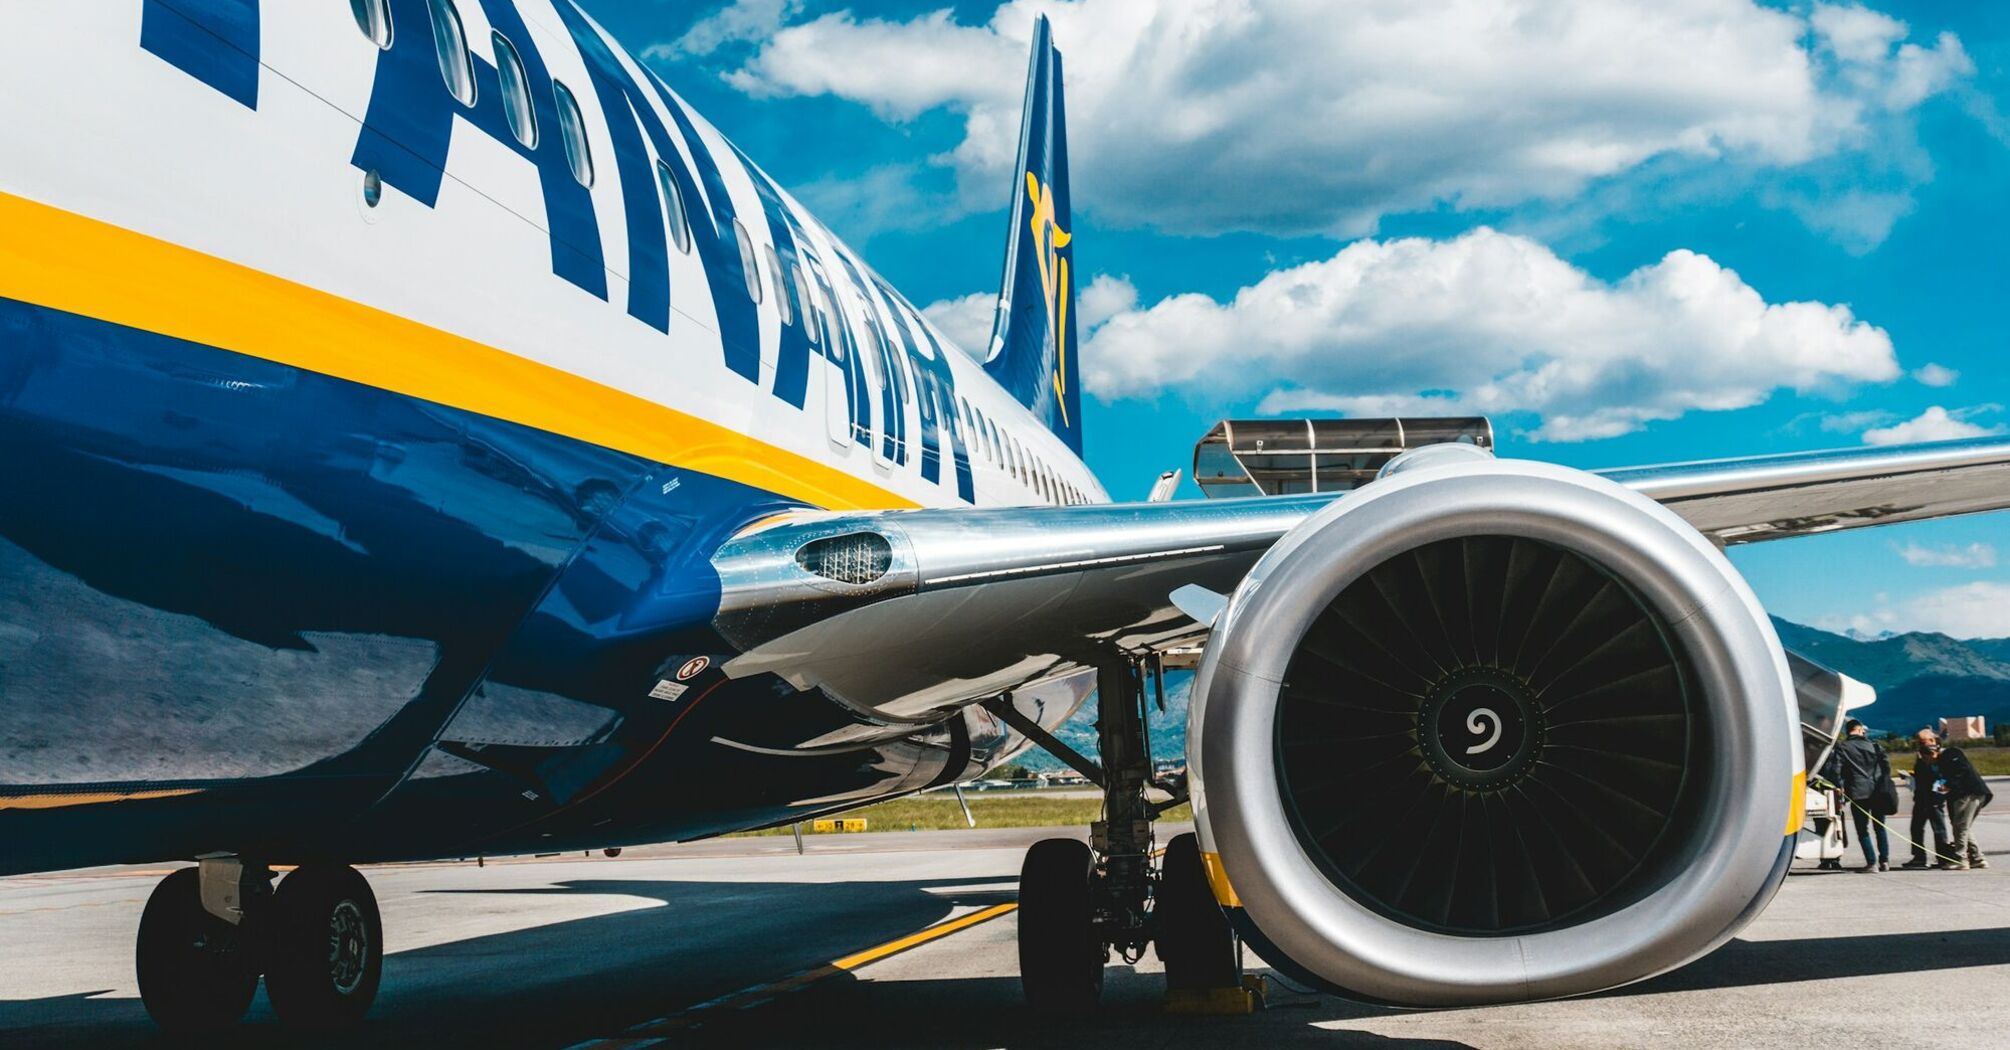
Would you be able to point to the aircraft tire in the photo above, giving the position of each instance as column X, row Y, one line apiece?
column 1061, row 954
column 193, row 980
column 327, row 948
column 1193, row 938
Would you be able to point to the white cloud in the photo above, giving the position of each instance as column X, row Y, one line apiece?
column 1871, row 54
column 1935, row 424
column 740, row 21
column 966, row 320
column 1489, row 323
column 887, row 197
column 1935, row 375
column 1389, row 107
column 1857, row 219
column 1972, row 610
column 1104, row 298
column 1974, row 556
column 1854, row 422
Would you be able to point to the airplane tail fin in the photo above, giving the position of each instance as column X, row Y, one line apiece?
column 1033, row 339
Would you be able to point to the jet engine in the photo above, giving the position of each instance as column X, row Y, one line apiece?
column 1490, row 730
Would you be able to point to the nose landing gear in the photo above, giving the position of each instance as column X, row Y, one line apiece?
column 209, row 933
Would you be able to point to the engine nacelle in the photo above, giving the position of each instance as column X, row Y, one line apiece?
column 1493, row 730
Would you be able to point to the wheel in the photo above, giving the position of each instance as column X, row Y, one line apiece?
column 327, row 948
column 1193, row 938
column 1061, row 954
column 193, row 978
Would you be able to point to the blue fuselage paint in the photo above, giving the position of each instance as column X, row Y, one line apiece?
column 413, row 117
column 359, row 625
column 214, row 41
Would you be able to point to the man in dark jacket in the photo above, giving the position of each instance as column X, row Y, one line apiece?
column 1929, row 806
column 1966, row 794
column 1858, row 766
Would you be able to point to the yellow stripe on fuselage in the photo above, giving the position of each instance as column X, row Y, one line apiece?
column 64, row 799
column 79, row 265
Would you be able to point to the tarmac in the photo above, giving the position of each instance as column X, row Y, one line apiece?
column 743, row 942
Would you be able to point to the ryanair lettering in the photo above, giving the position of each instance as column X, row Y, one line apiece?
column 407, row 129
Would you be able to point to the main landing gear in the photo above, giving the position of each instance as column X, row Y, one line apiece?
column 1078, row 901
column 209, row 933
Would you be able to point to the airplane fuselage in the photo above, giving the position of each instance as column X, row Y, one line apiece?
column 364, row 441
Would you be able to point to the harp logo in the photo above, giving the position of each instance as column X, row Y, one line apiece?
column 1048, row 240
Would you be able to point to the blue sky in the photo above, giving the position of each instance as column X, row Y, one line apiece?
column 1631, row 233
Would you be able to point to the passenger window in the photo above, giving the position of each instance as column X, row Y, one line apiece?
column 748, row 266
column 807, row 295
column 515, row 91
column 673, row 206
column 374, row 19
column 450, row 44
column 785, row 296
column 572, row 129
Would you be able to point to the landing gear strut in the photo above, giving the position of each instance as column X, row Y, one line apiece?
column 1078, row 902
column 208, row 933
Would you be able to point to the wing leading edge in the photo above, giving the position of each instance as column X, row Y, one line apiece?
column 908, row 614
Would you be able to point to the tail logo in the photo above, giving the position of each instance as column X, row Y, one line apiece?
column 1048, row 240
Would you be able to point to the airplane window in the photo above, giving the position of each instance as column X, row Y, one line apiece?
column 808, row 296
column 748, row 266
column 572, row 128
column 785, row 296
column 515, row 91
column 374, row 19
column 673, row 206
column 450, row 43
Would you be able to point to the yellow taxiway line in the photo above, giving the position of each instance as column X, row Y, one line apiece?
column 658, row 1031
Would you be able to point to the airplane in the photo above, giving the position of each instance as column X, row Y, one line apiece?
column 422, row 435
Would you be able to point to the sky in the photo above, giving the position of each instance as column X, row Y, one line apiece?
column 1628, row 232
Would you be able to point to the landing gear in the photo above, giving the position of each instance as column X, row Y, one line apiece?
column 209, row 932
column 195, row 975
column 1061, row 954
column 326, row 952
column 1192, row 935
column 1078, row 902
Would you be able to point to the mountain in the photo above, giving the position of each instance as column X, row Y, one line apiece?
column 1920, row 678
column 1167, row 731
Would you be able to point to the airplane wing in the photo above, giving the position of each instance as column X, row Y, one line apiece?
column 908, row 614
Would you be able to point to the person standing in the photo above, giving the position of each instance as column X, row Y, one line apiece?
column 1966, row 794
column 1929, row 804
column 1860, row 768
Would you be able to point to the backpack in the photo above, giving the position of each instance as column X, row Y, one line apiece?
column 1883, row 800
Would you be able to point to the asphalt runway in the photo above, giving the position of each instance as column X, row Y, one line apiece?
column 742, row 942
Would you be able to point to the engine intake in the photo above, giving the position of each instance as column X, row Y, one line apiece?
column 1490, row 731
